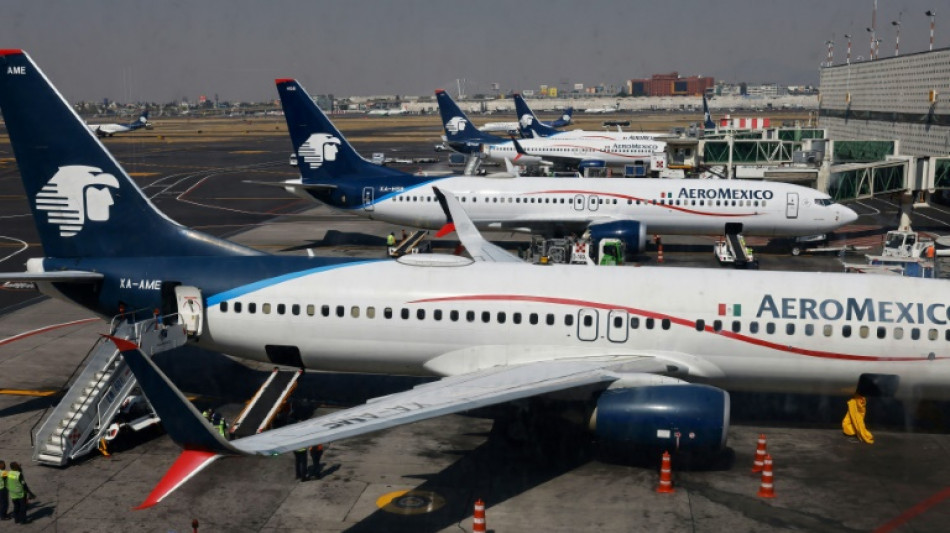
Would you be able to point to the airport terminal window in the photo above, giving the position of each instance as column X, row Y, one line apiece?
column 898, row 333
column 223, row 306
column 421, row 314
column 770, row 328
column 340, row 311
column 881, row 332
column 753, row 327
column 516, row 318
column 789, row 329
column 437, row 314
column 325, row 310
column 665, row 323
column 265, row 308
column 281, row 309
column 649, row 323
column 454, row 315
column 370, row 312
column 295, row 309
column 237, row 307
column 550, row 319
column 700, row 325
column 809, row 329
column 717, row 325
column 533, row 319
column 827, row 330
column 736, row 326
column 404, row 314
column 252, row 308
column 569, row 320
column 486, row 317
column 915, row 333
column 846, row 331
column 388, row 312
column 501, row 317
column 470, row 316
column 355, row 311
column 864, row 331
column 634, row 322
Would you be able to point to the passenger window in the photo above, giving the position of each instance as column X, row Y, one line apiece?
column 753, row 327
column 588, row 321
column 789, row 329
column 700, row 325
column 568, row 320
column 237, row 309
column 370, row 312
column 649, row 323
column 770, row 327
column 915, row 333
column 809, row 329
column 665, row 323
column 404, row 313
column 717, row 325
column 898, row 333
column 516, row 318
column 635, row 322
column 295, row 309
column 550, row 319
column 223, row 307
column 252, row 308
column 881, row 332
column 486, row 317
column 421, row 314
column 618, row 321
column 281, row 309
column 736, row 326
column 265, row 308
column 864, row 331
column 325, row 310
column 533, row 319
column 846, row 331
column 355, row 311
column 454, row 315
column 501, row 317
column 828, row 330
column 387, row 312
column 470, row 316
column 340, row 311
column 932, row 334
column 437, row 314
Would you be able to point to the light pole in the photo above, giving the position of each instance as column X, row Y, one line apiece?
column 932, row 14
column 897, row 43
column 871, row 55
column 848, row 37
column 831, row 53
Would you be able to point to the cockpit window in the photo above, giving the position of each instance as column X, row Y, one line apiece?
column 824, row 201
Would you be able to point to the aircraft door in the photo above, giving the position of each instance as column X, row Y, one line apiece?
column 587, row 324
column 791, row 205
column 617, row 326
column 190, row 309
column 579, row 202
column 593, row 202
column 368, row 195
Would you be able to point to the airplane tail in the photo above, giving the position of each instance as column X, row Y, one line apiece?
column 707, row 117
column 565, row 119
column 141, row 122
column 460, row 133
column 83, row 202
column 324, row 156
column 528, row 122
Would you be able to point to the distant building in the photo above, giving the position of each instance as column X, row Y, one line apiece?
column 671, row 84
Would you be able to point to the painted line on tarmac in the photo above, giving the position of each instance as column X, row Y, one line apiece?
column 25, row 334
column 26, row 392
column 918, row 509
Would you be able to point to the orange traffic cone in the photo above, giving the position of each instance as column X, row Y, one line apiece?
column 666, row 475
column 759, row 454
column 478, row 519
column 659, row 250
column 767, row 489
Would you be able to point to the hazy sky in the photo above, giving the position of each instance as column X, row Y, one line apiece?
column 164, row 50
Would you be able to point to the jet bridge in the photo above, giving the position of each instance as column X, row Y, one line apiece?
column 84, row 414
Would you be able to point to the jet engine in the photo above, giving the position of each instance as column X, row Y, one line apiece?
column 633, row 234
column 686, row 417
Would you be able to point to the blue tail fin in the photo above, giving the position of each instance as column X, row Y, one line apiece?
column 565, row 119
column 140, row 122
column 324, row 156
column 707, row 117
column 83, row 202
column 528, row 122
column 460, row 133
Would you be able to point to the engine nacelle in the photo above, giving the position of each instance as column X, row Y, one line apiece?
column 671, row 417
column 634, row 234
column 591, row 163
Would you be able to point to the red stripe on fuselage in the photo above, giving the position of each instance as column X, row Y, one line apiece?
column 675, row 320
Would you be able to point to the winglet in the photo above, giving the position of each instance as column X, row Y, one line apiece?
column 473, row 241
column 189, row 463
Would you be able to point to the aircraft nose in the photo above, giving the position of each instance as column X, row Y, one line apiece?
column 846, row 215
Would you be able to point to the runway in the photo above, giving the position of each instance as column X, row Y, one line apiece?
column 426, row 476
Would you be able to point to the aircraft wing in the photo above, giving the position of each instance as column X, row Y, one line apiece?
column 51, row 277
column 479, row 248
column 292, row 184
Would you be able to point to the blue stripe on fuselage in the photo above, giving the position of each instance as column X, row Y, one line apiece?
column 353, row 189
column 269, row 282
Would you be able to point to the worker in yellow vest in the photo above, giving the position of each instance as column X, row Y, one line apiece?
column 4, row 499
column 19, row 491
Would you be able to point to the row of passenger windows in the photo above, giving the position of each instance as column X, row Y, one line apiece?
column 617, row 322
column 585, row 201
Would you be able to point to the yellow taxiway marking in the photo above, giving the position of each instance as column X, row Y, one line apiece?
column 143, row 174
column 25, row 392
column 250, row 152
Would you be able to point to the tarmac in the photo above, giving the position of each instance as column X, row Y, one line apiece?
column 426, row 476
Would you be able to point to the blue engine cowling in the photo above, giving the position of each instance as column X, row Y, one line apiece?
column 591, row 163
column 653, row 416
column 634, row 234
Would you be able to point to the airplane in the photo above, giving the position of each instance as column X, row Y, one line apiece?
column 108, row 130
column 530, row 127
column 333, row 173
column 707, row 117
column 403, row 110
column 648, row 353
column 520, row 125
column 460, row 134
column 602, row 110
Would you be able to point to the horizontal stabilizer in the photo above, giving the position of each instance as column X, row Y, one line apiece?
column 52, row 277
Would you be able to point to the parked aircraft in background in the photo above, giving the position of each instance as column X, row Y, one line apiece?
column 518, row 126
column 108, row 130
column 531, row 127
column 707, row 117
column 334, row 173
column 403, row 110
column 460, row 134
column 602, row 110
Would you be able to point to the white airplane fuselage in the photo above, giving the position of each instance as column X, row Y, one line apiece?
column 756, row 331
column 666, row 207
column 613, row 152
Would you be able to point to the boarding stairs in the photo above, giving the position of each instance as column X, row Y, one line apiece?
column 259, row 413
column 409, row 245
column 85, row 412
column 737, row 246
column 473, row 163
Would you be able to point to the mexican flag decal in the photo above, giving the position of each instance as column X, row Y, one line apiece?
column 730, row 309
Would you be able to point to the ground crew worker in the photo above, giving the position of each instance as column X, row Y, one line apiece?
column 316, row 453
column 208, row 414
column 4, row 501
column 219, row 423
column 391, row 239
column 300, row 463
column 19, row 491
column 853, row 422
